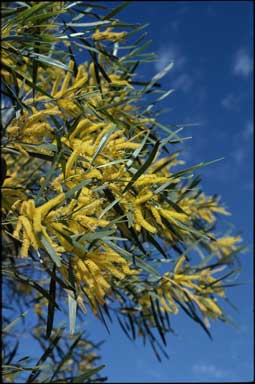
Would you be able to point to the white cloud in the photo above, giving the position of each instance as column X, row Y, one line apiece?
column 238, row 155
column 169, row 54
column 243, row 63
column 230, row 102
column 175, row 25
column 209, row 370
column 248, row 131
column 183, row 82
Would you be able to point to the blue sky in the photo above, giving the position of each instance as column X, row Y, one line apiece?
column 211, row 46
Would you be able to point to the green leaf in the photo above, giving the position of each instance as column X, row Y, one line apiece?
column 22, row 76
column 157, row 321
column 195, row 167
column 108, row 207
column 46, row 354
column 137, row 151
column 64, row 359
column 158, row 77
column 72, row 305
column 102, row 143
column 51, row 251
column 93, row 236
column 49, row 174
column 14, row 322
column 123, row 328
column 49, row 60
column 143, row 168
column 91, row 24
column 162, row 97
column 136, row 51
column 116, row 10
column 51, row 304
column 87, row 374
column 129, row 257
column 69, row 194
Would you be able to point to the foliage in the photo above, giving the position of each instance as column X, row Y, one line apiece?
column 92, row 210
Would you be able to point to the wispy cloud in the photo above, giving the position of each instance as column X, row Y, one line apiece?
column 230, row 102
column 248, row 130
column 167, row 54
column 208, row 369
column 240, row 152
column 183, row 82
column 243, row 63
column 238, row 155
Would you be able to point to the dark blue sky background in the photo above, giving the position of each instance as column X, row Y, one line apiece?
column 211, row 45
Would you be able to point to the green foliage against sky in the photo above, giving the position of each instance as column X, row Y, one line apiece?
column 93, row 211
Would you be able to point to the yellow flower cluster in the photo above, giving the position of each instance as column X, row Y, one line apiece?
column 94, row 271
column 108, row 35
column 225, row 245
column 98, row 150
column 182, row 286
column 32, row 128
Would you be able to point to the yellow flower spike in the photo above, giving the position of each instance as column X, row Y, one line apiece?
column 82, row 125
column 115, row 135
column 155, row 213
column 56, row 84
column 79, row 84
column 29, row 232
column 179, row 264
column 39, row 115
column 18, row 228
column 80, row 73
column 149, row 179
column 173, row 306
column 81, row 266
column 118, row 81
column 220, row 210
column 164, row 304
column 100, row 282
column 67, row 79
column 78, row 275
column 141, row 220
column 127, row 271
column 45, row 208
column 212, row 309
column 102, row 133
column 30, row 208
column 37, row 221
column 94, row 173
column 171, row 215
column 109, row 176
column 144, row 198
column 108, row 35
column 128, row 146
column 13, row 130
column 71, row 160
column 93, row 79
column 25, row 247
column 115, row 272
column 225, row 245
column 93, row 127
column 21, row 149
column 16, row 205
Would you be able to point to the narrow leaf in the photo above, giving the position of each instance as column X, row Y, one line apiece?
column 72, row 305
column 143, row 168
